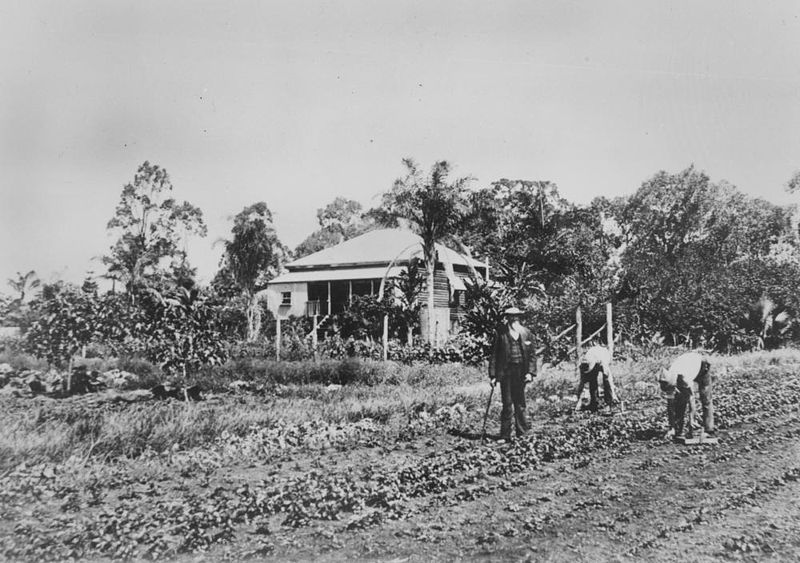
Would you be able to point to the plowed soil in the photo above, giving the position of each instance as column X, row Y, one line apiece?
column 581, row 487
column 652, row 500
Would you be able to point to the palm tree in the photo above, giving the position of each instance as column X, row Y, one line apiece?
column 433, row 207
column 23, row 283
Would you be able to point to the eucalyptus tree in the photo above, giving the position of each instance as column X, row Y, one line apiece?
column 150, row 226
column 340, row 220
column 253, row 256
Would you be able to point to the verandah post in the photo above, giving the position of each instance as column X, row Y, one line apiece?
column 609, row 329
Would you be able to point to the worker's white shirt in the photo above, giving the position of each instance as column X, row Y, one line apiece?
column 598, row 355
column 688, row 365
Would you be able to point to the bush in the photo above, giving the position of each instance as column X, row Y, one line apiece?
column 263, row 349
column 338, row 348
column 67, row 319
column 463, row 348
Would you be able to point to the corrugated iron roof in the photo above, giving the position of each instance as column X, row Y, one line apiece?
column 380, row 246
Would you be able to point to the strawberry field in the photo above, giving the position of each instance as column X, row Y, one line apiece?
column 403, row 473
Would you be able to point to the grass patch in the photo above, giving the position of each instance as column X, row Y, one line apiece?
column 392, row 395
column 45, row 430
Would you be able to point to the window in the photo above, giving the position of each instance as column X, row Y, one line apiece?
column 286, row 298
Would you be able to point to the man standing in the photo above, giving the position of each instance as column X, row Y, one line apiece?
column 595, row 361
column 512, row 364
column 686, row 372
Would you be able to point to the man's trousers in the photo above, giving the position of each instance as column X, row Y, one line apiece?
column 608, row 393
column 512, row 390
column 682, row 399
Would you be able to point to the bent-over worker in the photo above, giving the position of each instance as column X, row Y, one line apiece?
column 595, row 361
column 687, row 372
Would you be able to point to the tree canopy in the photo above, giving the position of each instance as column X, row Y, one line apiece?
column 253, row 256
column 150, row 227
column 340, row 220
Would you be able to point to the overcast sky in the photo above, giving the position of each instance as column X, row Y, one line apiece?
column 295, row 103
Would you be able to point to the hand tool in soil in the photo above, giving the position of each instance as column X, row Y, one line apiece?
column 486, row 414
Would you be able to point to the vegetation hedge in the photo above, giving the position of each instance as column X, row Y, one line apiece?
column 351, row 371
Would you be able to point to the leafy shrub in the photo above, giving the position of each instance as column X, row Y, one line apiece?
column 463, row 348
column 180, row 331
column 263, row 348
column 485, row 305
column 338, row 348
column 65, row 322
column 363, row 317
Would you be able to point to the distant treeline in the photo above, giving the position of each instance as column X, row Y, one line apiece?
column 685, row 261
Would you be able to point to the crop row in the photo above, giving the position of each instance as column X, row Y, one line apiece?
column 366, row 497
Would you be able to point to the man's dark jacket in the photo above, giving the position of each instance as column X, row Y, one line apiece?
column 501, row 352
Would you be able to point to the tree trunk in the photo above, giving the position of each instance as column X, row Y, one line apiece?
column 253, row 317
column 410, row 333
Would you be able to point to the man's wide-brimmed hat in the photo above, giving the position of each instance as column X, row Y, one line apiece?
column 512, row 311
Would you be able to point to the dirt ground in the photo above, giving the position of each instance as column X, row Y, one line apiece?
column 654, row 500
column 585, row 487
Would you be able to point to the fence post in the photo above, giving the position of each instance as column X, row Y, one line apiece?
column 277, row 338
column 385, row 337
column 610, row 329
column 314, row 339
column 578, row 339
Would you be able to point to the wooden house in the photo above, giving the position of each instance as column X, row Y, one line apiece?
column 324, row 282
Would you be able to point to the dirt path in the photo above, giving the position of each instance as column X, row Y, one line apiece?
column 652, row 500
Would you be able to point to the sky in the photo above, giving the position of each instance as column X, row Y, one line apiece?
column 296, row 103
